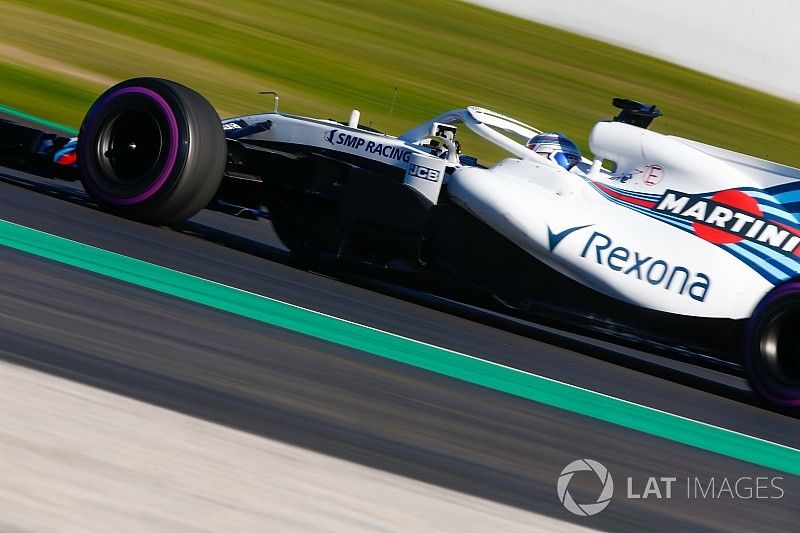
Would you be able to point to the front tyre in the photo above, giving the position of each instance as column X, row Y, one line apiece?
column 772, row 349
column 152, row 150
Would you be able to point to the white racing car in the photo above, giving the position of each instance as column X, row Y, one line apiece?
column 673, row 245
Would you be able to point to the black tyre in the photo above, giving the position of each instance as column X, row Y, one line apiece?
column 152, row 150
column 772, row 350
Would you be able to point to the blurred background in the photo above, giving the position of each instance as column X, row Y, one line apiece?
column 325, row 58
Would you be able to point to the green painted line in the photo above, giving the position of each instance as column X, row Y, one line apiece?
column 32, row 118
column 412, row 352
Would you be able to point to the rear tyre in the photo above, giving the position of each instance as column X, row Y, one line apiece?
column 152, row 150
column 772, row 356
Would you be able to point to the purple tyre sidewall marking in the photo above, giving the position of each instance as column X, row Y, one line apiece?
column 172, row 154
column 751, row 342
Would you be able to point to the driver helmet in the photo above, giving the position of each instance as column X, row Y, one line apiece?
column 556, row 147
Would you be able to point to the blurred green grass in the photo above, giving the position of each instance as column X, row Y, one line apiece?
column 325, row 58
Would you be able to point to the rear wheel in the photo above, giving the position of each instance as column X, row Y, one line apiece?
column 152, row 150
column 772, row 357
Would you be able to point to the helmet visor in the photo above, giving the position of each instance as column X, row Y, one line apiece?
column 565, row 160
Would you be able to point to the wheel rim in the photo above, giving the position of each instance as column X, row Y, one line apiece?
column 129, row 146
column 135, row 144
column 780, row 348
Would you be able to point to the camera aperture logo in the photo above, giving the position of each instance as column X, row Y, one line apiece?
column 585, row 509
column 660, row 488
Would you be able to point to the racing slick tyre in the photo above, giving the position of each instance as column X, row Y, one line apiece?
column 772, row 349
column 151, row 150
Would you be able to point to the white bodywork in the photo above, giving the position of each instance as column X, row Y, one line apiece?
column 678, row 226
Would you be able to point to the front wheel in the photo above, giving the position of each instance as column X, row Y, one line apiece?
column 772, row 349
column 152, row 150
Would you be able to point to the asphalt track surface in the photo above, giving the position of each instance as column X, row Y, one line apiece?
column 323, row 397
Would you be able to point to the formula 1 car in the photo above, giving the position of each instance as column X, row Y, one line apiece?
column 679, row 247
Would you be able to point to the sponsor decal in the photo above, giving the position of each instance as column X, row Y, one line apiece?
column 657, row 272
column 767, row 241
column 651, row 175
column 622, row 178
column 553, row 239
column 425, row 173
column 231, row 126
column 336, row 137
column 729, row 217
column 330, row 136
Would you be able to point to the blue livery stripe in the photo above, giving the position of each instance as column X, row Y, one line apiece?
column 785, row 263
